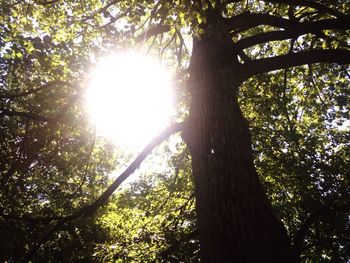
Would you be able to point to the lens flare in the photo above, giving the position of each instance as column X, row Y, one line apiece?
column 129, row 98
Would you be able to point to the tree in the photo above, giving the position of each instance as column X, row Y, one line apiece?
column 235, row 43
column 228, row 193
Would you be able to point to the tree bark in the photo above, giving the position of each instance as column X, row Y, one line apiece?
column 236, row 222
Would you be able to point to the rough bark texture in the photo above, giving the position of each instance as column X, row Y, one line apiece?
column 236, row 222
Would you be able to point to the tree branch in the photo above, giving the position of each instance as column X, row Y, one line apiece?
column 159, row 29
column 244, row 56
column 32, row 219
column 101, row 10
column 248, row 20
column 27, row 115
column 297, row 30
column 339, row 56
column 35, row 90
column 312, row 4
column 46, row 2
column 37, row 117
column 89, row 210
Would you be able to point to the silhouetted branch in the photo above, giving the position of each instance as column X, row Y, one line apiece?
column 113, row 19
column 37, row 117
column 159, row 29
column 31, row 219
column 27, row 115
column 312, row 4
column 101, row 10
column 339, row 56
column 297, row 30
column 160, row 207
column 248, row 20
column 46, row 2
column 35, row 90
column 243, row 56
column 91, row 209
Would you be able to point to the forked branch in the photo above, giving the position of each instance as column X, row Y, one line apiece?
column 313, row 4
column 249, row 20
column 297, row 30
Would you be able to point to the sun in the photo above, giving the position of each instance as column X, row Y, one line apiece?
column 129, row 98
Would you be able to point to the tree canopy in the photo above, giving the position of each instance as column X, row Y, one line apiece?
column 262, row 105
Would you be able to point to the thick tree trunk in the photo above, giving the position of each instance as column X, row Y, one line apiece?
column 236, row 222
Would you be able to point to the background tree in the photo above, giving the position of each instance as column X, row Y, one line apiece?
column 297, row 118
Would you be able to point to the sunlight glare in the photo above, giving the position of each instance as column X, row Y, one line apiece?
column 129, row 98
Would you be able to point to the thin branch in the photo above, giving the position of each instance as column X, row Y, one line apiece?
column 162, row 49
column 31, row 219
column 150, row 46
column 180, row 50
column 35, row 90
column 182, row 41
column 27, row 115
column 101, row 10
column 160, row 207
column 87, row 165
column 149, row 17
column 46, row 2
column 339, row 56
column 37, row 117
column 114, row 19
column 159, row 29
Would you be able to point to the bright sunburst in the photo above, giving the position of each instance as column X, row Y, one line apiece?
column 129, row 98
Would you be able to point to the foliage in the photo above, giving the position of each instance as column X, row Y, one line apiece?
column 52, row 163
column 301, row 151
column 153, row 219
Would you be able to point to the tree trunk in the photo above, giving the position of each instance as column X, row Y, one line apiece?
column 236, row 222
